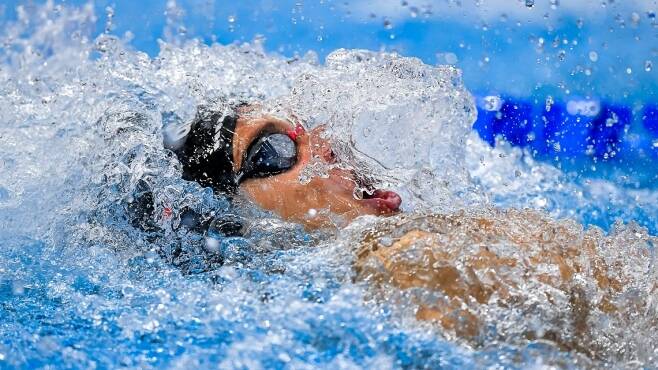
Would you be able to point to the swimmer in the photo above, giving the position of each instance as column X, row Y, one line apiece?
column 262, row 158
column 462, row 271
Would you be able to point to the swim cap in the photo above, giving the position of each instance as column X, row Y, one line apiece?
column 207, row 154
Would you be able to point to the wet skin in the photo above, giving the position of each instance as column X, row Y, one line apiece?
column 520, row 261
column 318, row 203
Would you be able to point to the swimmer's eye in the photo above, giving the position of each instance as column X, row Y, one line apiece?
column 271, row 154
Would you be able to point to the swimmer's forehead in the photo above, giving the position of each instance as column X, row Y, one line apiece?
column 256, row 111
column 263, row 120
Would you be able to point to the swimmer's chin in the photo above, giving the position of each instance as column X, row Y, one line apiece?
column 380, row 204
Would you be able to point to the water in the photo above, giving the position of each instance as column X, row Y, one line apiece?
column 82, row 118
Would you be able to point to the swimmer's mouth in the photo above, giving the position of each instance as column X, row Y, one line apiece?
column 385, row 201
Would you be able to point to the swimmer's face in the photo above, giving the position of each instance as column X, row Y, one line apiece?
column 322, row 201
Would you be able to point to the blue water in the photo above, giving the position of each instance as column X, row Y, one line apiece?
column 80, row 288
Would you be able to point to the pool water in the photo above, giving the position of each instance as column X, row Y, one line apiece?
column 83, row 115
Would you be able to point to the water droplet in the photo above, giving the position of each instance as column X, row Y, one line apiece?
column 629, row 70
column 561, row 55
column 446, row 58
column 413, row 12
column 212, row 244
column 492, row 103
column 18, row 288
column 648, row 66
column 386, row 241
column 555, row 4
column 541, row 202
column 231, row 23
column 529, row 3
column 151, row 256
column 388, row 24
column 549, row 103
column 635, row 19
column 593, row 56
column 109, row 11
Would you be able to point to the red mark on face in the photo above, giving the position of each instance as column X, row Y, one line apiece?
column 166, row 212
column 293, row 134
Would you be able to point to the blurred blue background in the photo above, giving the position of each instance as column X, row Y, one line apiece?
column 574, row 81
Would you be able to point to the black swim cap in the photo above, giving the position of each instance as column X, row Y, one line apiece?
column 207, row 154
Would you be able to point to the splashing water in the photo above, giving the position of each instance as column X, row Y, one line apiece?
column 82, row 124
